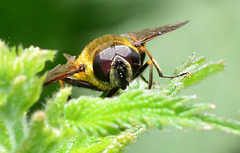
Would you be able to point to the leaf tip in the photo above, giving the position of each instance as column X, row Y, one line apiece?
column 20, row 79
column 39, row 116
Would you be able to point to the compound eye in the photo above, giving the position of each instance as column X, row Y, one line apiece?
column 130, row 55
column 102, row 64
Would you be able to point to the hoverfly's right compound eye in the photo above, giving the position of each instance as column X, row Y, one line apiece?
column 103, row 60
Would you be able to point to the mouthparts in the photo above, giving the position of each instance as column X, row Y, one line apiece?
column 121, row 72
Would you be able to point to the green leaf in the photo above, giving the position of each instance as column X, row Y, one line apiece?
column 197, row 73
column 109, row 144
column 41, row 137
column 95, row 124
column 227, row 125
column 19, row 77
column 20, row 88
column 136, row 107
column 55, row 107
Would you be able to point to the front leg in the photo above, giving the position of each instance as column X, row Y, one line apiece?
column 79, row 83
column 140, row 71
column 154, row 62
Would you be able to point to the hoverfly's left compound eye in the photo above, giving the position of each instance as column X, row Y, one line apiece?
column 102, row 64
column 103, row 60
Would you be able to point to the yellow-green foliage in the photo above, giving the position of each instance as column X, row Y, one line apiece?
column 94, row 124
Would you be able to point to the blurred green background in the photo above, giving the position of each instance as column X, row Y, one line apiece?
column 67, row 26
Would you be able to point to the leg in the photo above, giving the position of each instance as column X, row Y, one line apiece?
column 142, row 68
column 142, row 77
column 79, row 83
column 112, row 92
column 150, row 74
column 148, row 63
column 143, row 49
column 63, row 86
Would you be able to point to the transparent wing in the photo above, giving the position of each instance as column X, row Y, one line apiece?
column 142, row 36
column 62, row 71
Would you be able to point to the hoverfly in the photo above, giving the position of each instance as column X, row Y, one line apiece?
column 110, row 62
